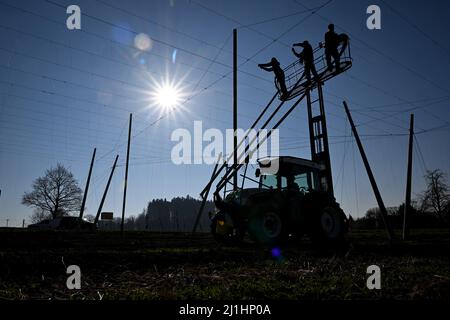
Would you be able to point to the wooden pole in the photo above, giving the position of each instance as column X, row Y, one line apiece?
column 83, row 204
column 235, row 156
column 126, row 175
column 407, row 208
column 376, row 191
column 106, row 191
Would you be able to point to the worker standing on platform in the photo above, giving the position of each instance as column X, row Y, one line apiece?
column 274, row 66
column 307, row 58
column 332, row 41
column 344, row 39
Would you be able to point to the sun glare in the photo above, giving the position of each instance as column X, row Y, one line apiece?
column 167, row 97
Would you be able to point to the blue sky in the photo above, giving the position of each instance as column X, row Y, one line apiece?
column 63, row 92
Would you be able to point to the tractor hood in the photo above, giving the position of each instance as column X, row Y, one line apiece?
column 235, row 198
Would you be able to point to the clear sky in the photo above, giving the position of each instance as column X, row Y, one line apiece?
column 63, row 92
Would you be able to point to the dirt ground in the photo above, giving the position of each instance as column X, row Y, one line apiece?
column 144, row 265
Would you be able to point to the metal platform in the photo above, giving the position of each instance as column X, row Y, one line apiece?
column 294, row 71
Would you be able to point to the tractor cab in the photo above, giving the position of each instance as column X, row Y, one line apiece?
column 289, row 173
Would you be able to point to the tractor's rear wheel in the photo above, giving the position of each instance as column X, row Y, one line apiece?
column 330, row 227
column 267, row 226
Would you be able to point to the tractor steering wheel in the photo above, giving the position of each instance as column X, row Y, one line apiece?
column 302, row 190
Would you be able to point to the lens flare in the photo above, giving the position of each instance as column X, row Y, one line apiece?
column 276, row 253
column 143, row 42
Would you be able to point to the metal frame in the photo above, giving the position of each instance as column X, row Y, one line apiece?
column 317, row 123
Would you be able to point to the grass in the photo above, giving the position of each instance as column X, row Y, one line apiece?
column 144, row 265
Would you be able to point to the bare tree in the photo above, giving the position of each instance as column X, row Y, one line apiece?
column 436, row 197
column 56, row 193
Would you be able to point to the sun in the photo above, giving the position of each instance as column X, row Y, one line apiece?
column 167, row 97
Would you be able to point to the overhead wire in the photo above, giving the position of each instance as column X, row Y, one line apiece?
column 211, row 62
column 382, row 53
column 417, row 28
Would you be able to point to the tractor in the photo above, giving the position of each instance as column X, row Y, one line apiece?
column 297, row 199
column 289, row 203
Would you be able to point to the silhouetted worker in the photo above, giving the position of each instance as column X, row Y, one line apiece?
column 332, row 41
column 274, row 66
column 307, row 58
column 291, row 184
column 343, row 38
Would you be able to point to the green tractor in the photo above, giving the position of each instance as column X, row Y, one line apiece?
column 289, row 203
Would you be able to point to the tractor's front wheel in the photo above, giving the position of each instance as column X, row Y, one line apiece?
column 267, row 227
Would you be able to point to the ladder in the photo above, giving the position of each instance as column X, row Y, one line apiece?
column 318, row 136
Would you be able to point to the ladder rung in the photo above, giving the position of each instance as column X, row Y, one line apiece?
column 314, row 101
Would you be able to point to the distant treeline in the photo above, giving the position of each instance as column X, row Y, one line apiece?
column 178, row 214
column 418, row 219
